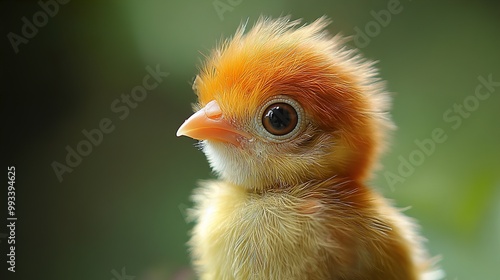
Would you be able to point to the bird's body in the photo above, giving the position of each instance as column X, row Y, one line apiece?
column 293, row 123
column 331, row 230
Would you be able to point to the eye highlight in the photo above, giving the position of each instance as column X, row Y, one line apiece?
column 280, row 118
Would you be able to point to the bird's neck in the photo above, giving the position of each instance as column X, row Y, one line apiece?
column 317, row 185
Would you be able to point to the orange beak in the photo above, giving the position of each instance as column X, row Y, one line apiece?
column 209, row 124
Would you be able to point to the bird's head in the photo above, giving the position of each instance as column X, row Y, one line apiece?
column 282, row 105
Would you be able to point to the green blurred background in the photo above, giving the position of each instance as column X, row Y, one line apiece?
column 120, row 212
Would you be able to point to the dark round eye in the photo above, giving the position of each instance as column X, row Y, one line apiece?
column 279, row 119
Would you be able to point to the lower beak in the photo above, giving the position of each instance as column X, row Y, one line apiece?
column 209, row 124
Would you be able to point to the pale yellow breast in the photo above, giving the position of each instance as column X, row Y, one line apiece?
column 241, row 235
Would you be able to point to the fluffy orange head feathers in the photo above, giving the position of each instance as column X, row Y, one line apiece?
column 340, row 106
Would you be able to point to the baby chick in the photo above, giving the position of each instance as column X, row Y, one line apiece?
column 293, row 124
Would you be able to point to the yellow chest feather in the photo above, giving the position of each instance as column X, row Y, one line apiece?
column 241, row 235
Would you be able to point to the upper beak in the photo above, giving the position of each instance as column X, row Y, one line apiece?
column 209, row 124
